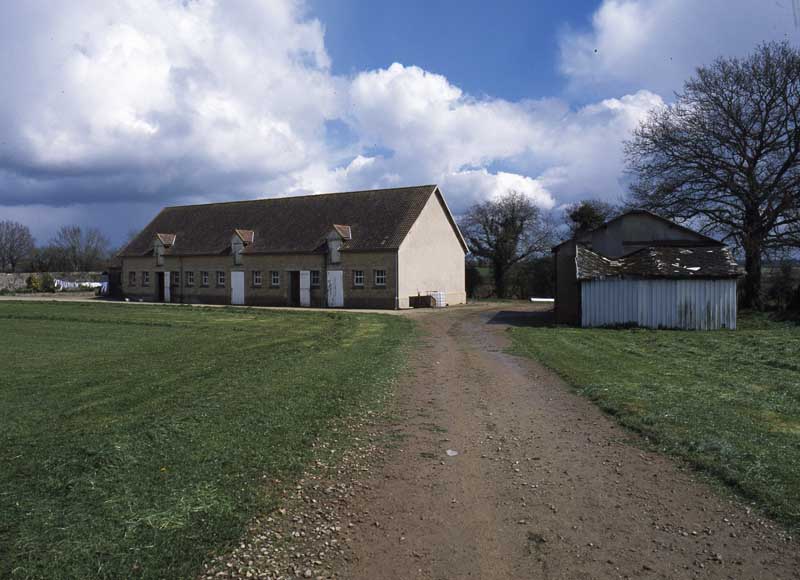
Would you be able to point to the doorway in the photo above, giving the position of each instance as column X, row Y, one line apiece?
column 294, row 288
column 160, row 286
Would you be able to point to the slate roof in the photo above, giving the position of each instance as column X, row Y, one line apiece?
column 659, row 262
column 378, row 220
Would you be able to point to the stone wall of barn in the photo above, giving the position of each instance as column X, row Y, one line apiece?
column 370, row 295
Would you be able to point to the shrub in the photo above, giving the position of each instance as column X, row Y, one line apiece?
column 41, row 283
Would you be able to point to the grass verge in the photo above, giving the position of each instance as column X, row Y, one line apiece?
column 137, row 441
column 729, row 402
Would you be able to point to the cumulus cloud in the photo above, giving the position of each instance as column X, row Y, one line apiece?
column 177, row 93
column 657, row 44
column 123, row 107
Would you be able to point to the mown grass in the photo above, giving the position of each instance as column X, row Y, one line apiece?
column 729, row 402
column 135, row 441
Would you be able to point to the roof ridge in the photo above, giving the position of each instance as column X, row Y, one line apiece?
column 305, row 195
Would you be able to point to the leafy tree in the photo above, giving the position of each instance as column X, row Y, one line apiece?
column 16, row 243
column 505, row 231
column 81, row 250
column 587, row 215
column 726, row 155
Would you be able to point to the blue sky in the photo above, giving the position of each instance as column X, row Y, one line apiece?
column 112, row 109
column 507, row 49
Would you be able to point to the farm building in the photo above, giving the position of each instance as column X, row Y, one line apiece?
column 641, row 269
column 361, row 249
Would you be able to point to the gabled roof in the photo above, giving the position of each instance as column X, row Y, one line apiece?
column 658, row 262
column 704, row 238
column 166, row 239
column 245, row 235
column 377, row 219
column 344, row 231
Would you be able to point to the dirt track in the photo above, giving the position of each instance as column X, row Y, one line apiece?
column 543, row 486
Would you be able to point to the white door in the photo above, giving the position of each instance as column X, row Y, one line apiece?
column 237, row 287
column 167, row 296
column 305, row 288
column 335, row 289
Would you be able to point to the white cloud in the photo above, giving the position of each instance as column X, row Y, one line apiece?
column 122, row 107
column 240, row 87
column 657, row 44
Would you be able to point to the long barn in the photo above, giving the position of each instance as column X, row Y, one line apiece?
column 358, row 249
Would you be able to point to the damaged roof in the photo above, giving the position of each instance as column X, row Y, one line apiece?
column 378, row 219
column 659, row 262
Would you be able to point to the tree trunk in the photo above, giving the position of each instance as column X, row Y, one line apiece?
column 499, row 272
column 751, row 297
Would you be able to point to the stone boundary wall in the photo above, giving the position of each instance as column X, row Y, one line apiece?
column 17, row 280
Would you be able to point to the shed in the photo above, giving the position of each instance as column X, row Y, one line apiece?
column 684, row 287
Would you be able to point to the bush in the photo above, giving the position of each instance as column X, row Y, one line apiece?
column 41, row 283
column 33, row 283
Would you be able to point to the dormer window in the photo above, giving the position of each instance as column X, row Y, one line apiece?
column 239, row 241
column 336, row 239
column 160, row 245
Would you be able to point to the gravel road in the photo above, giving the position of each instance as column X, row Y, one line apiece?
column 543, row 484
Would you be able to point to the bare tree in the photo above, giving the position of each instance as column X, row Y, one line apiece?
column 505, row 231
column 587, row 215
column 81, row 250
column 726, row 155
column 16, row 243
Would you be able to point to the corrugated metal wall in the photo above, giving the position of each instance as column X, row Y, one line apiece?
column 687, row 304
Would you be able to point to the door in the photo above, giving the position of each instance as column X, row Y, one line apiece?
column 167, row 288
column 335, row 289
column 294, row 288
column 237, row 288
column 305, row 288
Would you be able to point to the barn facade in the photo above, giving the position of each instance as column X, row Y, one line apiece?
column 642, row 270
column 359, row 249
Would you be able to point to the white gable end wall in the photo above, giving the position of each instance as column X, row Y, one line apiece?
column 431, row 257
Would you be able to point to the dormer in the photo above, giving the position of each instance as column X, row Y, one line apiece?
column 161, row 243
column 239, row 241
column 338, row 235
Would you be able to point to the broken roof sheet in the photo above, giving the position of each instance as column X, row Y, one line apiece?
column 659, row 262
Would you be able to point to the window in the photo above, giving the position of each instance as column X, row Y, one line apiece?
column 256, row 277
column 131, row 278
column 145, row 278
column 380, row 277
column 274, row 278
column 175, row 279
column 204, row 278
column 190, row 278
column 358, row 277
column 220, row 278
column 315, row 278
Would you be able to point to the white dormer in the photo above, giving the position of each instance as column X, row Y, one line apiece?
column 239, row 241
column 338, row 235
column 161, row 243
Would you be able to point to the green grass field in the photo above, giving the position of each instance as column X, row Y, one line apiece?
column 729, row 402
column 135, row 441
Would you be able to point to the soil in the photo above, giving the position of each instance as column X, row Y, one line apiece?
column 544, row 485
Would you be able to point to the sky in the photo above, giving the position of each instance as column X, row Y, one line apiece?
column 112, row 109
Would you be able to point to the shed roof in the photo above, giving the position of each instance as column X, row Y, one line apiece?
column 701, row 238
column 378, row 219
column 659, row 262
